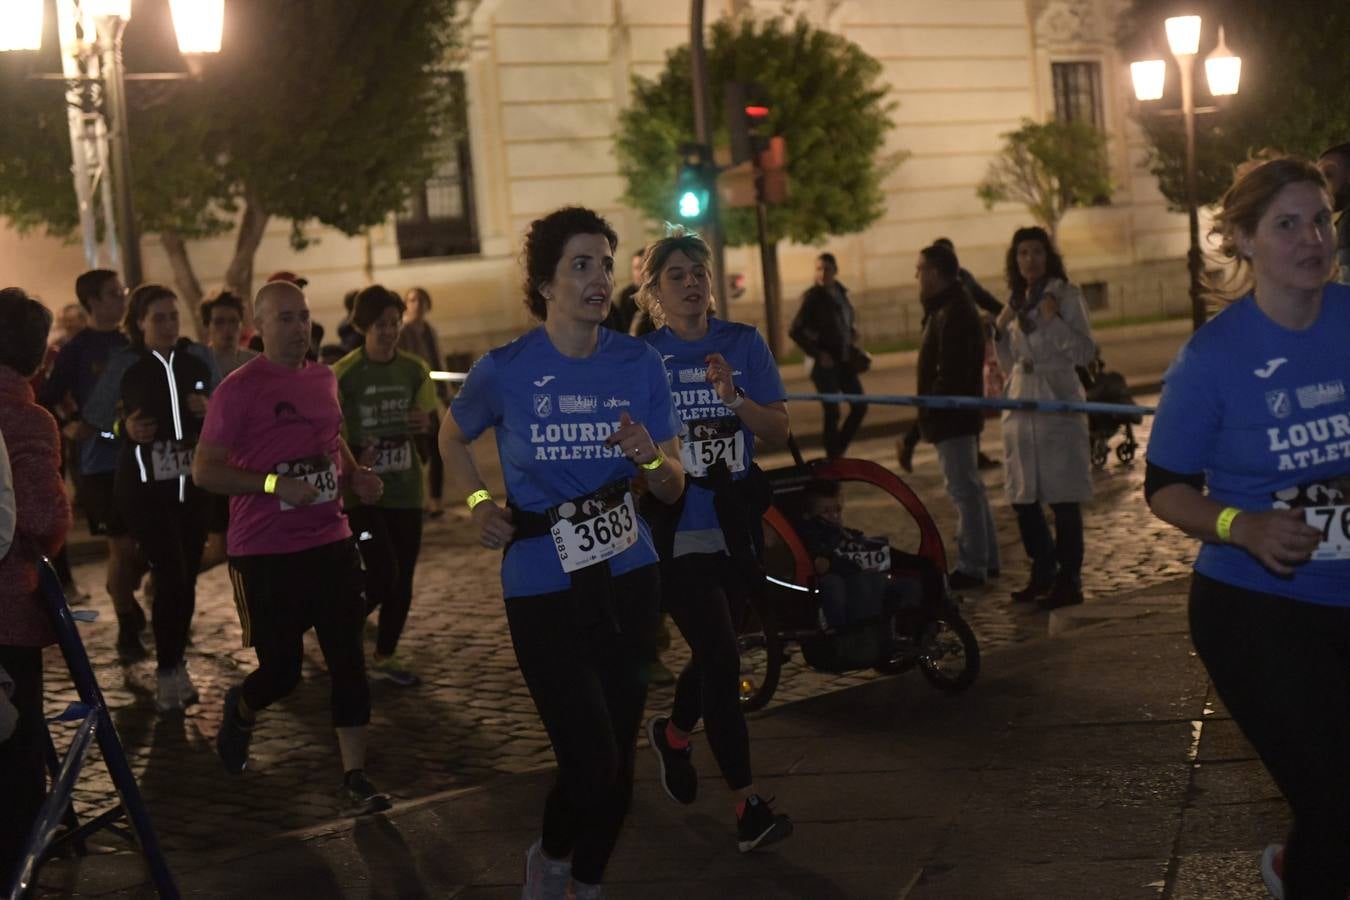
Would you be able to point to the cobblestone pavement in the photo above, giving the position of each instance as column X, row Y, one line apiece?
column 473, row 719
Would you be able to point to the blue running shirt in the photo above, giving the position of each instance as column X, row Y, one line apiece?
column 551, row 414
column 753, row 371
column 1263, row 412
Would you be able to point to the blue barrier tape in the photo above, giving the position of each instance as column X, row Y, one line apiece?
column 940, row 402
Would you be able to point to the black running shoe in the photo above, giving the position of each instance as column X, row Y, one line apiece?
column 759, row 825
column 234, row 736
column 678, row 777
column 358, row 797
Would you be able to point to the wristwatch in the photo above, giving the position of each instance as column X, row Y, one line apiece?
column 740, row 398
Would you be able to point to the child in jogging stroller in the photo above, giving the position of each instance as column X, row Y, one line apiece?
column 1102, row 386
column 848, row 600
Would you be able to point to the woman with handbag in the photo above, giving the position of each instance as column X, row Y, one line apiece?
column 1043, row 334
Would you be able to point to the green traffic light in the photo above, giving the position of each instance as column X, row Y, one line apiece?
column 691, row 205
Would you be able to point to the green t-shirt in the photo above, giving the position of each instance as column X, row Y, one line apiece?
column 376, row 400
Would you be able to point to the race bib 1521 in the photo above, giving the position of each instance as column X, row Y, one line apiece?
column 711, row 440
column 594, row 528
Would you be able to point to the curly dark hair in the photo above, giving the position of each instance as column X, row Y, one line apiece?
column 371, row 303
column 544, row 244
column 140, row 301
column 24, row 326
column 1054, row 263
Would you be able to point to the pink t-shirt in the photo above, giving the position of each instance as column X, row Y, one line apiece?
column 276, row 419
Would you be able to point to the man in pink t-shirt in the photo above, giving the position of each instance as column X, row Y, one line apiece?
column 271, row 441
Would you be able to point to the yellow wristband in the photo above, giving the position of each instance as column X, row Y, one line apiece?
column 476, row 498
column 270, row 484
column 654, row 464
column 1224, row 527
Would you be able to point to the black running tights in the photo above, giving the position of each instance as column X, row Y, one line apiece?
column 390, row 552
column 1282, row 667
column 589, row 687
column 709, row 686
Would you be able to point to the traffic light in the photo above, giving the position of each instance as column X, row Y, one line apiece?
column 747, row 112
column 693, row 189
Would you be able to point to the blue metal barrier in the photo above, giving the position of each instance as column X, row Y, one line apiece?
column 95, row 725
column 946, row 402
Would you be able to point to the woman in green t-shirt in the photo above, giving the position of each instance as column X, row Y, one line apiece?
column 388, row 399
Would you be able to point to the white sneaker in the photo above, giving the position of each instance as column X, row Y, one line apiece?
column 545, row 879
column 187, row 691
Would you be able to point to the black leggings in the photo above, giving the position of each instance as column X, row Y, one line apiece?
column 1282, row 667
column 171, row 535
column 279, row 597
column 1063, row 552
column 589, row 687
column 390, row 555
column 23, row 770
column 709, row 686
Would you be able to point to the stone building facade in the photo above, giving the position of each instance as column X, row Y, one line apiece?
column 546, row 79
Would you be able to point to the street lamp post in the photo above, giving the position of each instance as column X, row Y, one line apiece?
column 1223, row 71
column 91, row 48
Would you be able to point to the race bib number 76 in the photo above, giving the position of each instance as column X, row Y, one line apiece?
column 1334, row 523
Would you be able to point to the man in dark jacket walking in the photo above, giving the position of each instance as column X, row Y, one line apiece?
column 825, row 330
column 951, row 363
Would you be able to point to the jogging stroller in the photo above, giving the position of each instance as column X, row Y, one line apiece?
column 1103, row 386
column 919, row 623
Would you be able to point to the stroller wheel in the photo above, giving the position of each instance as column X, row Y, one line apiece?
column 761, row 654
column 1099, row 452
column 1125, row 451
column 949, row 655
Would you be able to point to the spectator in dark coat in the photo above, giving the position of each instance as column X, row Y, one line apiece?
column 951, row 363
column 985, row 301
column 826, row 331
column 42, row 519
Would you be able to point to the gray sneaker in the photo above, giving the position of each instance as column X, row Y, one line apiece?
column 545, row 879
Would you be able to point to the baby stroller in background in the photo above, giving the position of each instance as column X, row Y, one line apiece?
column 925, row 630
column 1102, row 386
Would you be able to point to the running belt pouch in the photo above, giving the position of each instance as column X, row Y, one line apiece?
column 592, row 589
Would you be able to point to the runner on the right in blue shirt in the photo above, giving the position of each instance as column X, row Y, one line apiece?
column 727, row 391
column 1250, row 453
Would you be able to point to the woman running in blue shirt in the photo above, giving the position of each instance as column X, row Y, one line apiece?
column 579, row 411
column 1250, row 453
column 728, row 391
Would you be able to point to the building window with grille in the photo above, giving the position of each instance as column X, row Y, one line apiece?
column 1078, row 98
column 1078, row 92
column 439, row 218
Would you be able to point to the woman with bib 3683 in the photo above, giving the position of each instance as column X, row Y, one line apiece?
column 579, row 411
column 728, row 391
column 1250, row 453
